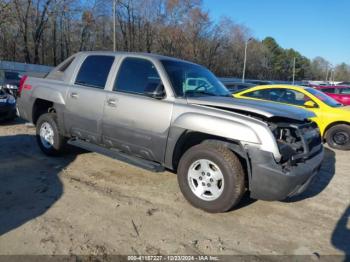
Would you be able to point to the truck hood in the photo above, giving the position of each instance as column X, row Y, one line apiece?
column 263, row 108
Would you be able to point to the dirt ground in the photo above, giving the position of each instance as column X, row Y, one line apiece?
column 85, row 203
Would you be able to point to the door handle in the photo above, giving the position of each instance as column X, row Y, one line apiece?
column 111, row 102
column 74, row 95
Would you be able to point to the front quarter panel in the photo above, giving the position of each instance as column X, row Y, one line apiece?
column 221, row 123
column 216, row 126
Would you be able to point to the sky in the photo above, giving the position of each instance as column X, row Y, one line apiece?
column 312, row 27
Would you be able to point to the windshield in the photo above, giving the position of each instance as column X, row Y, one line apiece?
column 324, row 98
column 193, row 80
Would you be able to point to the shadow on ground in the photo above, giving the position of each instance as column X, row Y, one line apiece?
column 321, row 181
column 12, row 122
column 29, row 181
column 341, row 234
column 245, row 201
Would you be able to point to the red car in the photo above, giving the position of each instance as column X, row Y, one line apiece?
column 339, row 93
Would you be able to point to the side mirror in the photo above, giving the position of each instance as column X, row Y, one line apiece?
column 310, row 104
column 158, row 93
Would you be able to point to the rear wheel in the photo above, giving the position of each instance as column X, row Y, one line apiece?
column 211, row 177
column 338, row 137
column 50, row 141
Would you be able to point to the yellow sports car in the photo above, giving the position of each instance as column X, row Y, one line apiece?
column 332, row 117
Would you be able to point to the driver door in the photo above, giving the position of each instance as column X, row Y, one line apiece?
column 134, row 122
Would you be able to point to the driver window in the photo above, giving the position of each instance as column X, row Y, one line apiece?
column 137, row 76
column 294, row 97
column 280, row 95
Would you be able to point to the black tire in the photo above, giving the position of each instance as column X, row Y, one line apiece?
column 338, row 137
column 59, row 141
column 230, row 167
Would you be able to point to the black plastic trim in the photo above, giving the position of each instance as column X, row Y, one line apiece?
column 270, row 181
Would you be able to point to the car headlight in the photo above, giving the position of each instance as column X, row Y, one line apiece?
column 11, row 100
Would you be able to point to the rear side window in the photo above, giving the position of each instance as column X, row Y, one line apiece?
column 345, row 91
column 94, row 71
column 137, row 76
column 328, row 90
column 267, row 94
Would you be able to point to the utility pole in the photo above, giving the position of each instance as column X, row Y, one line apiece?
column 114, row 32
column 245, row 59
column 293, row 70
column 333, row 76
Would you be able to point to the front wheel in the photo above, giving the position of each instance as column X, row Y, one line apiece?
column 50, row 141
column 338, row 137
column 211, row 177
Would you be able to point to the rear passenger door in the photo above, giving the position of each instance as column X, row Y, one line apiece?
column 86, row 97
column 133, row 121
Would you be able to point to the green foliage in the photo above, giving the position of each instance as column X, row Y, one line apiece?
column 281, row 62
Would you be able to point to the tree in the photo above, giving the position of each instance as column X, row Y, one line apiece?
column 5, row 11
column 320, row 68
column 48, row 31
column 32, row 19
column 342, row 72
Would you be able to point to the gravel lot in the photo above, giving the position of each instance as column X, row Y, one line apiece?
column 85, row 203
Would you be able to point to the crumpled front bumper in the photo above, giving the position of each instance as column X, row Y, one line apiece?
column 269, row 181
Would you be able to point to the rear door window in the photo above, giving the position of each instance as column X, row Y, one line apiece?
column 328, row 90
column 266, row 94
column 94, row 71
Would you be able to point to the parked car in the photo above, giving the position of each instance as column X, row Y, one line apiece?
column 339, row 93
column 7, row 106
column 235, row 87
column 345, row 83
column 9, row 82
column 259, row 82
column 147, row 110
column 332, row 117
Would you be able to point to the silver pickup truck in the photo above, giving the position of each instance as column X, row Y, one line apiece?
column 160, row 113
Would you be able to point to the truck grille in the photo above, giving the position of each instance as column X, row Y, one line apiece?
column 297, row 141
